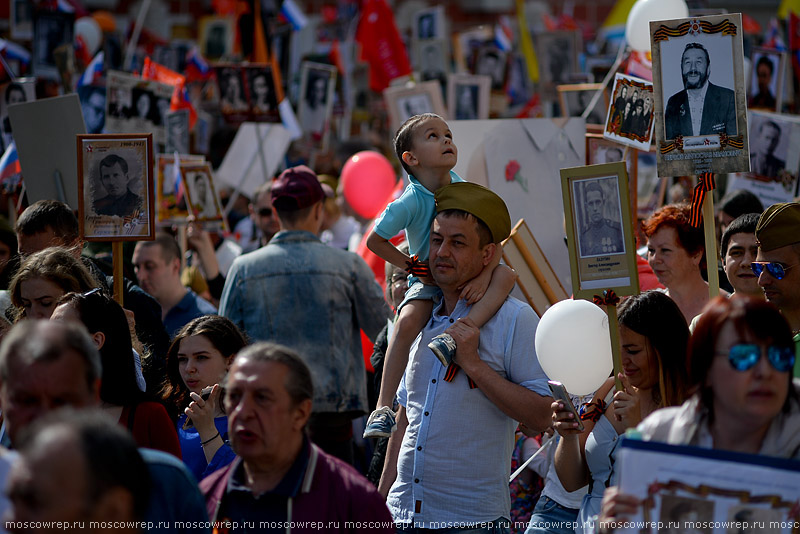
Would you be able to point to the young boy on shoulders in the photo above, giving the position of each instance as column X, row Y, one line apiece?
column 424, row 145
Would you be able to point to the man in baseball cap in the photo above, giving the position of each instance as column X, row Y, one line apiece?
column 777, row 264
column 300, row 293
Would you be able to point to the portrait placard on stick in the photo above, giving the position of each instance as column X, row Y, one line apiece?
column 630, row 113
column 115, row 183
column 701, row 112
column 200, row 192
column 602, row 253
column 171, row 204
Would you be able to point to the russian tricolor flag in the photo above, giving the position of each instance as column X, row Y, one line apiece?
column 503, row 35
column 9, row 164
column 196, row 59
column 12, row 50
column 293, row 15
column 93, row 72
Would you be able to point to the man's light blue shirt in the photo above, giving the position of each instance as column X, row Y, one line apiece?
column 413, row 212
column 455, row 458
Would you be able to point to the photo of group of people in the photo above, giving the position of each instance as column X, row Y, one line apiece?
column 630, row 113
column 134, row 105
column 247, row 93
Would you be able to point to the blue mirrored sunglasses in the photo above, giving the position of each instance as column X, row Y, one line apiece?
column 776, row 269
column 745, row 356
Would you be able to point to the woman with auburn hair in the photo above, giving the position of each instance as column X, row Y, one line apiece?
column 676, row 253
column 199, row 358
column 740, row 363
column 43, row 278
column 653, row 338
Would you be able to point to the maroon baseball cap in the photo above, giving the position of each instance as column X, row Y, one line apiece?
column 296, row 188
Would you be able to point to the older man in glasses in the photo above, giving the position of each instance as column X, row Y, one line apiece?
column 777, row 262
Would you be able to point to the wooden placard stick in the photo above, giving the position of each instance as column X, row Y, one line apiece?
column 116, row 253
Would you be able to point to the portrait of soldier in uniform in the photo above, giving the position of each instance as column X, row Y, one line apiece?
column 600, row 235
column 119, row 199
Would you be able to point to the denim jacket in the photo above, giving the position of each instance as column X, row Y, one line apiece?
column 303, row 294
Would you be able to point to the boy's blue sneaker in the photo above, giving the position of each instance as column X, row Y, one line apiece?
column 380, row 423
column 444, row 347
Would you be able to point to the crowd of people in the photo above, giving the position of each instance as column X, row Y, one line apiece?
column 235, row 389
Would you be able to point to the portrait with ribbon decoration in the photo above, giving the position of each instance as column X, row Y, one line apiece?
column 700, row 97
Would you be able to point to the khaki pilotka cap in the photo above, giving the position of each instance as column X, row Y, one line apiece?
column 779, row 226
column 482, row 203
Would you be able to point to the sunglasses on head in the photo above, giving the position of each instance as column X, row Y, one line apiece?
column 744, row 356
column 775, row 268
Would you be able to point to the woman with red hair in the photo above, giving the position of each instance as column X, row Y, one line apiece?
column 676, row 253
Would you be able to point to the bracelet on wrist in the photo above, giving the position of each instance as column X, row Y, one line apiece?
column 204, row 443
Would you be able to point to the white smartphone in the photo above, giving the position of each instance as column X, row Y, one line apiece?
column 560, row 394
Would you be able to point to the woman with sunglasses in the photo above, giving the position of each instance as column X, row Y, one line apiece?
column 198, row 358
column 653, row 337
column 740, row 363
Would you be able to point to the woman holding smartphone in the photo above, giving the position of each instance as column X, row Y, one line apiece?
column 199, row 358
column 653, row 337
column 740, row 363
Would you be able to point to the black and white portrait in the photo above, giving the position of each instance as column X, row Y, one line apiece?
column 415, row 104
column 630, row 112
column 466, row 102
column 316, row 100
column 202, row 197
column 491, row 61
column 263, row 99
column 558, row 56
column 145, row 107
column 598, row 224
column 19, row 91
column 769, row 145
column 231, row 90
column 51, row 29
column 429, row 23
column 93, row 107
column 135, row 105
column 177, row 132
column 118, row 191
column 426, row 26
column 216, row 36
column 432, row 61
column 21, row 19
column 686, row 515
column 766, row 79
column 697, row 83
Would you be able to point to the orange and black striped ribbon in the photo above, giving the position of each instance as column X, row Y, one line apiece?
column 704, row 185
column 609, row 298
column 452, row 370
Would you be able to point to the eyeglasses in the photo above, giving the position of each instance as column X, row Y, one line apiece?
column 775, row 268
column 744, row 356
column 265, row 212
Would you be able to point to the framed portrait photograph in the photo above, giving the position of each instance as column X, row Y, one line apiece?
column 601, row 150
column 765, row 90
column 575, row 98
column 263, row 93
column 629, row 119
column 51, row 29
column 317, row 86
column 700, row 97
column 774, row 166
column 177, row 132
column 115, row 185
column 16, row 92
column 493, row 62
column 602, row 253
column 232, row 98
column 405, row 102
column 93, row 107
column 170, row 194
column 429, row 23
column 692, row 489
column 468, row 96
column 432, row 60
column 216, row 36
column 136, row 105
column 557, row 52
column 21, row 12
column 201, row 194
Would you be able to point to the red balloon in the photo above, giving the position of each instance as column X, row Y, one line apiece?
column 368, row 180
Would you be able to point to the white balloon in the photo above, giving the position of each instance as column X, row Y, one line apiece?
column 637, row 29
column 90, row 31
column 573, row 345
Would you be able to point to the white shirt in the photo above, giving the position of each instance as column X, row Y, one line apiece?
column 696, row 101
